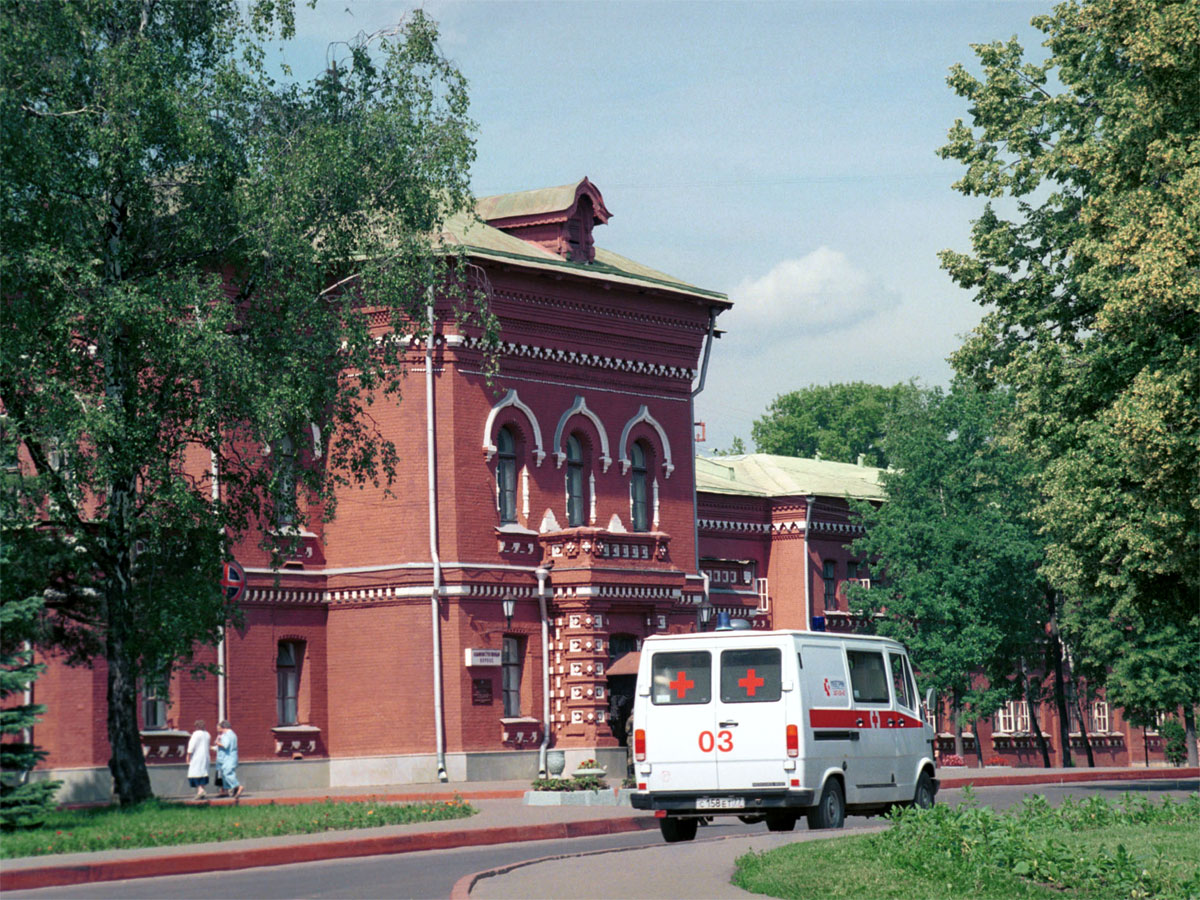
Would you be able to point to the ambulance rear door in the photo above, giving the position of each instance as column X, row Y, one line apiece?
column 749, row 737
column 677, row 710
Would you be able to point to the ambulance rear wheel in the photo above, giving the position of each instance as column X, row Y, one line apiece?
column 781, row 821
column 923, row 799
column 831, row 811
column 676, row 829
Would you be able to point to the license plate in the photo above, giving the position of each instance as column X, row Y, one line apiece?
column 721, row 803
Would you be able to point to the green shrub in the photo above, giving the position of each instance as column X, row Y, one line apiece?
column 586, row 783
column 1174, row 741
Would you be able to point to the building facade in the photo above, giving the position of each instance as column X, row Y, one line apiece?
column 490, row 606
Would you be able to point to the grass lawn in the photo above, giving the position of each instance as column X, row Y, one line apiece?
column 158, row 823
column 854, row 867
column 1087, row 850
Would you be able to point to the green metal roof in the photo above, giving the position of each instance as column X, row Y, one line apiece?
column 527, row 203
column 764, row 475
column 482, row 240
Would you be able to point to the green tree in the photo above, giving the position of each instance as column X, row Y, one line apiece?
column 22, row 802
column 836, row 421
column 1088, row 272
column 953, row 554
column 192, row 257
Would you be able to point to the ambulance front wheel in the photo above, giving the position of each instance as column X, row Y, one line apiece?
column 676, row 829
column 831, row 811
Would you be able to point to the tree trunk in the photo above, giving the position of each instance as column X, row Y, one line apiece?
column 1033, row 718
column 956, row 712
column 1055, row 654
column 1189, row 728
column 131, row 779
column 1083, row 732
column 978, row 743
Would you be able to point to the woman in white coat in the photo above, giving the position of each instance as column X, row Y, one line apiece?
column 197, row 756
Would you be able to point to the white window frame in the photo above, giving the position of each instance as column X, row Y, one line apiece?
column 511, row 664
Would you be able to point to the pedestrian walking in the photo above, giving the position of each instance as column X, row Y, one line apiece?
column 197, row 757
column 227, row 760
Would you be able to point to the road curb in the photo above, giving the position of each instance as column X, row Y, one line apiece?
column 226, row 860
column 1072, row 777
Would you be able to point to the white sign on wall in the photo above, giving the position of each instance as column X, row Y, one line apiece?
column 481, row 657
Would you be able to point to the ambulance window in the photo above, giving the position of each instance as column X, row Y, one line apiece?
column 916, row 694
column 750, row 676
column 900, row 685
column 681, row 678
column 868, row 677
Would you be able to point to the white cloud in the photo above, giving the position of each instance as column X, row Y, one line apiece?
column 817, row 293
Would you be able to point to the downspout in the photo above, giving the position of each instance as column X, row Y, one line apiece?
column 808, row 610
column 543, row 574
column 221, row 717
column 435, row 596
column 712, row 321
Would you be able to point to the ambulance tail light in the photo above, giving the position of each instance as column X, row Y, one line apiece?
column 639, row 744
column 793, row 740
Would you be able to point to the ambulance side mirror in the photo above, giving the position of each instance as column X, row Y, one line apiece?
column 929, row 699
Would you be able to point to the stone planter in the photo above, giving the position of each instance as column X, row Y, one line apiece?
column 556, row 761
column 609, row 797
column 585, row 773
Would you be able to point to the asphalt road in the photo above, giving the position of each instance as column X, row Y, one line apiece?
column 680, row 870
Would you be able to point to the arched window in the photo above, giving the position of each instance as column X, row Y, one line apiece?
column 288, row 662
column 639, row 510
column 576, row 508
column 506, row 475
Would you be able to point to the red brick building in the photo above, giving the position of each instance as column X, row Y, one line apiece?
column 774, row 534
column 542, row 526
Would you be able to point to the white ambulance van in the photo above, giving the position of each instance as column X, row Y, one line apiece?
column 772, row 724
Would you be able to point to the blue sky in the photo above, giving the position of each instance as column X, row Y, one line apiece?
column 783, row 153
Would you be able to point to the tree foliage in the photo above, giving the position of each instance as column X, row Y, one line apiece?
column 197, row 265
column 953, row 553
column 1089, row 269
column 22, row 802
column 839, row 422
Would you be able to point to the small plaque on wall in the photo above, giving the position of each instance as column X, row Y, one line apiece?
column 481, row 692
column 474, row 656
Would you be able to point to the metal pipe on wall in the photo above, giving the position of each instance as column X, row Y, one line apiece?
column 216, row 495
column 543, row 575
column 435, row 597
column 808, row 610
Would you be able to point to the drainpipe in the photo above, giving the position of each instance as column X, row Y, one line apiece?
column 808, row 610
column 221, row 717
column 435, row 596
column 543, row 575
column 712, row 322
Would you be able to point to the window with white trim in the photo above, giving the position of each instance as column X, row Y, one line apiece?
column 506, row 475
column 155, row 692
column 576, row 499
column 1013, row 718
column 639, row 506
column 288, row 661
column 511, row 658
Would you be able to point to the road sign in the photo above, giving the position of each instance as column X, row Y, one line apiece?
column 233, row 581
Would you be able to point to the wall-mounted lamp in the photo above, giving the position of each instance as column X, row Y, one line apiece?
column 705, row 612
column 510, row 605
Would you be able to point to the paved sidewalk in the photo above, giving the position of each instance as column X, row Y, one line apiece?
column 502, row 818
